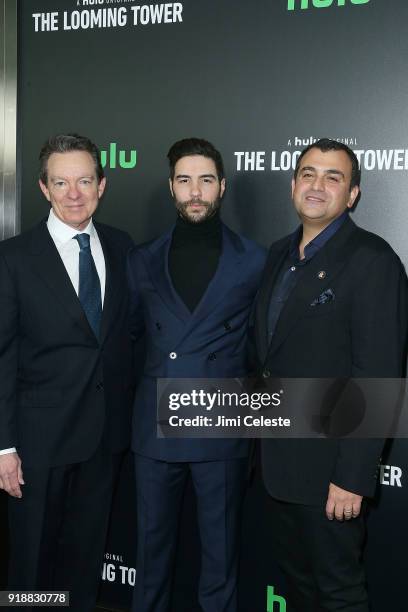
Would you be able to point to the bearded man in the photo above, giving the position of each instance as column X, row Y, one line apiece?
column 193, row 287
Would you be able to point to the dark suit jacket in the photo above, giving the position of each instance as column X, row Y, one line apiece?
column 211, row 342
column 359, row 334
column 60, row 389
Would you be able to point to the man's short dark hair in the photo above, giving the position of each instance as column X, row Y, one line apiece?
column 195, row 146
column 326, row 144
column 64, row 143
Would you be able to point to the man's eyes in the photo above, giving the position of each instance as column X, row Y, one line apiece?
column 206, row 180
column 329, row 177
column 61, row 184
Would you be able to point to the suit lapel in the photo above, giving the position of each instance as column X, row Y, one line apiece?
column 273, row 266
column 114, row 267
column 48, row 265
column 157, row 264
column 226, row 275
column 330, row 259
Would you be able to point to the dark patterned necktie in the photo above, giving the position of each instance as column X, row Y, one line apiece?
column 89, row 284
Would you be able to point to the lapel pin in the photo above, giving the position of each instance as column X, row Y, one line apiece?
column 321, row 274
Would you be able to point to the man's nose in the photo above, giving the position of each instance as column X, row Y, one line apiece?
column 318, row 183
column 73, row 192
column 195, row 189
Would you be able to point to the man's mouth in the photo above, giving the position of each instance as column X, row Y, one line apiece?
column 314, row 199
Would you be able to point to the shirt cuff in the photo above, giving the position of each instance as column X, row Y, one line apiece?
column 7, row 451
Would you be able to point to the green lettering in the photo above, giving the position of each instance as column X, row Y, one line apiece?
column 112, row 155
column 104, row 158
column 127, row 164
column 322, row 3
column 304, row 4
column 271, row 599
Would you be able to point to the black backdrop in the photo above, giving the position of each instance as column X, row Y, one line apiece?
column 260, row 81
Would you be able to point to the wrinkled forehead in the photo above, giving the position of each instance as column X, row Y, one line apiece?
column 71, row 164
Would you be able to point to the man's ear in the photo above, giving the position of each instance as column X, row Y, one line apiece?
column 222, row 187
column 171, row 187
column 293, row 187
column 45, row 190
column 101, row 187
column 353, row 196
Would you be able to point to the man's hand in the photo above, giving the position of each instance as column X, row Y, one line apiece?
column 342, row 504
column 11, row 474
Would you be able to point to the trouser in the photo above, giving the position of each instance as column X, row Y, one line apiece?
column 58, row 529
column 321, row 559
column 219, row 488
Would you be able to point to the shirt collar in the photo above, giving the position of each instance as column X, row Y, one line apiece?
column 62, row 232
column 318, row 242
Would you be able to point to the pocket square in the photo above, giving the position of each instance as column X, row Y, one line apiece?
column 326, row 296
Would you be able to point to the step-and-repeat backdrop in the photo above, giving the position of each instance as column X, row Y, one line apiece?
column 261, row 80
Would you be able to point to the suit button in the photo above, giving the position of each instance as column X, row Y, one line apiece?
column 266, row 373
column 227, row 326
column 99, row 386
column 158, row 326
column 173, row 355
column 212, row 356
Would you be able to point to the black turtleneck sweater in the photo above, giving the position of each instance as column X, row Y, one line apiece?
column 193, row 258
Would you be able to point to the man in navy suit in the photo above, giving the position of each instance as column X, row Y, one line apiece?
column 194, row 287
column 66, row 378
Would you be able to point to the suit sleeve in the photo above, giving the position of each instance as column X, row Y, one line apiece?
column 379, row 336
column 8, row 357
column 137, row 326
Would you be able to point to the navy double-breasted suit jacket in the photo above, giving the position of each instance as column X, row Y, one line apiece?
column 210, row 342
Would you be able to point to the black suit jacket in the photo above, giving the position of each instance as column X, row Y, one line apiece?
column 60, row 389
column 359, row 334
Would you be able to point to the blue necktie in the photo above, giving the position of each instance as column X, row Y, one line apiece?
column 89, row 284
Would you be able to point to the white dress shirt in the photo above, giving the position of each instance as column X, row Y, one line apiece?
column 68, row 248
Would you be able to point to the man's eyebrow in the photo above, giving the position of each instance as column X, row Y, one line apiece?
column 334, row 171
column 328, row 171
column 178, row 176
column 63, row 178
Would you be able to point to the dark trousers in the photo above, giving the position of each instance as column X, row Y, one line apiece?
column 58, row 529
column 321, row 559
column 219, row 488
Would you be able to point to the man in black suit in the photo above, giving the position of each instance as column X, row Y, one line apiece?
column 66, row 378
column 332, row 305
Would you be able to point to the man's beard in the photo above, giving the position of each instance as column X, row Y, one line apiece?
column 197, row 216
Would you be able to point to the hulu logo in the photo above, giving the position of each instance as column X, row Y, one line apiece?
column 272, row 599
column 115, row 158
column 305, row 4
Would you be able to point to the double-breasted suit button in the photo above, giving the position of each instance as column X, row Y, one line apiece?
column 158, row 325
column 99, row 386
column 212, row 356
column 266, row 373
column 227, row 326
column 173, row 355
